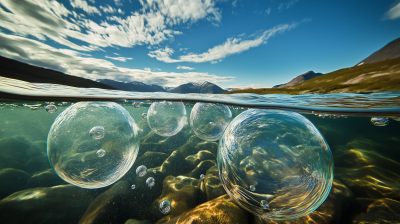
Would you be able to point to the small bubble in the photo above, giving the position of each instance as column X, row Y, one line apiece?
column 100, row 153
column 133, row 187
column 150, row 182
column 51, row 108
column 265, row 205
column 141, row 171
column 136, row 104
column 144, row 115
column 252, row 188
column 202, row 177
column 97, row 132
column 165, row 207
column 154, row 171
column 380, row 121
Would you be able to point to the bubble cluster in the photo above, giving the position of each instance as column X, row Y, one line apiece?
column 74, row 155
column 150, row 182
column 273, row 160
column 208, row 120
column 51, row 108
column 165, row 207
column 380, row 121
column 141, row 171
column 97, row 132
column 166, row 118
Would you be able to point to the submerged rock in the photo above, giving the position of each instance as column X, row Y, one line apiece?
column 213, row 184
column 58, row 204
column 370, row 181
column 221, row 210
column 12, row 180
column 337, row 208
column 383, row 210
column 46, row 178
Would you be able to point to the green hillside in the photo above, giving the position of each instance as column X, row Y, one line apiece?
column 374, row 77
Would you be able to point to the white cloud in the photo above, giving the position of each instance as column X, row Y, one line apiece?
column 147, row 69
column 231, row 46
column 82, row 4
column 48, row 19
column 393, row 13
column 268, row 11
column 107, row 9
column 71, row 62
column 118, row 2
column 116, row 53
column 123, row 59
column 183, row 49
column 234, row 3
column 184, row 67
column 287, row 5
column 242, row 86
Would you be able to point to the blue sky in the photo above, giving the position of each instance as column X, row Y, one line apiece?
column 171, row 42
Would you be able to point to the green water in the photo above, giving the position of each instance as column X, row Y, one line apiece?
column 366, row 187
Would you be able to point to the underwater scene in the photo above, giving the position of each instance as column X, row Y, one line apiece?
column 210, row 160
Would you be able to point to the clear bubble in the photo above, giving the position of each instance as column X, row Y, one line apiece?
column 100, row 153
column 150, row 182
column 73, row 155
column 281, row 154
column 154, row 171
column 144, row 115
column 141, row 171
column 165, row 207
column 264, row 204
column 51, row 108
column 166, row 118
column 209, row 120
column 133, row 187
column 380, row 121
column 97, row 132
column 202, row 176
column 136, row 104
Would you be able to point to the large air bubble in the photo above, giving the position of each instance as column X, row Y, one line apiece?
column 91, row 162
column 275, row 164
column 208, row 120
column 166, row 118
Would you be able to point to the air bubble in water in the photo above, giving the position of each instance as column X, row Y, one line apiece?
column 275, row 151
column 141, row 171
column 264, row 204
column 166, row 118
column 154, row 171
column 252, row 187
column 74, row 156
column 202, row 176
column 133, row 187
column 144, row 115
column 97, row 132
column 380, row 121
column 136, row 104
column 165, row 207
column 150, row 182
column 51, row 108
column 100, row 153
column 209, row 120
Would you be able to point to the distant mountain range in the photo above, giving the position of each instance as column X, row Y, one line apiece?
column 18, row 70
column 205, row 87
column 301, row 78
column 132, row 86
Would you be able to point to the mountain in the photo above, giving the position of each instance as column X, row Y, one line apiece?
column 391, row 50
column 17, row 70
column 301, row 78
column 132, row 86
column 373, row 77
column 205, row 87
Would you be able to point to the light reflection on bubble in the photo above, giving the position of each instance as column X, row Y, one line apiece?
column 380, row 121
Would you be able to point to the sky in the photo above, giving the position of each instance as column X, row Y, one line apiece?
column 232, row 43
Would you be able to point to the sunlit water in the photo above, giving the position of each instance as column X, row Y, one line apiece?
column 332, row 157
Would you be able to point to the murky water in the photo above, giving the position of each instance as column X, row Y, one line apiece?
column 317, row 152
